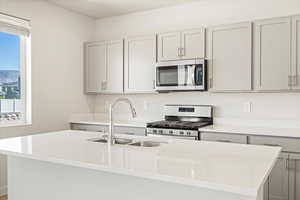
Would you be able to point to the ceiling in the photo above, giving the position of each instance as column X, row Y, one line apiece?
column 108, row 8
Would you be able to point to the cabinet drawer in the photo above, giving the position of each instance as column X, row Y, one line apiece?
column 130, row 130
column 224, row 137
column 88, row 127
column 287, row 144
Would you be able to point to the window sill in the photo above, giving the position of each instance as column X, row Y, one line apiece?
column 4, row 124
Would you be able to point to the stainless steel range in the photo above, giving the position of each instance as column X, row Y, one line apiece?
column 182, row 121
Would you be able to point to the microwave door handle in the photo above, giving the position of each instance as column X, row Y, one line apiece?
column 194, row 75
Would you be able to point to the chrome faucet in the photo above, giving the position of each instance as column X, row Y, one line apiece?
column 111, row 124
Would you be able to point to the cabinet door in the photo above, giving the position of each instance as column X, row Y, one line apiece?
column 193, row 44
column 278, row 182
column 140, row 60
column 169, row 46
column 114, row 67
column 95, row 67
column 294, row 176
column 296, row 52
column 272, row 54
column 230, row 57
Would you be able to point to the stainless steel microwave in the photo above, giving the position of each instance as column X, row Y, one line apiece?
column 181, row 75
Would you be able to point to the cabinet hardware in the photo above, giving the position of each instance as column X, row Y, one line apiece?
column 182, row 51
column 103, row 85
column 153, row 84
column 290, row 81
column 287, row 164
column 179, row 52
column 210, row 83
column 295, row 80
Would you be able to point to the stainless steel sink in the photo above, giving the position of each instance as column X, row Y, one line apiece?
column 146, row 144
column 115, row 140
column 131, row 142
column 122, row 141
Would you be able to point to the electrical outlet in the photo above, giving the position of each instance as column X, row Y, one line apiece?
column 247, row 107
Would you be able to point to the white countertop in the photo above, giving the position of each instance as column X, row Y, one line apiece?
column 252, row 130
column 235, row 168
column 106, row 123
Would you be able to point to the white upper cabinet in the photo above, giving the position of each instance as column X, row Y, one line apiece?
column 140, row 60
column 193, row 44
column 181, row 45
column 296, row 52
column 272, row 59
column 115, row 66
column 104, row 67
column 169, row 46
column 229, row 54
column 95, row 66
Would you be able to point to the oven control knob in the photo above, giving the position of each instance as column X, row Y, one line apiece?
column 171, row 132
column 181, row 133
column 188, row 133
column 155, row 131
column 160, row 131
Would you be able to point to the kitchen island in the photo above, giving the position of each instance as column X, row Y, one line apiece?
column 70, row 165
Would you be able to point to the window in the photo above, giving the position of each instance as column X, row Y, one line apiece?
column 15, row 97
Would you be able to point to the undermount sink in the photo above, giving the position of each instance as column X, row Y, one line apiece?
column 146, row 144
column 115, row 140
column 124, row 141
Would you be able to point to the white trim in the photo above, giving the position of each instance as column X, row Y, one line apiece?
column 3, row 190
column 25, row 66
column 14, row 25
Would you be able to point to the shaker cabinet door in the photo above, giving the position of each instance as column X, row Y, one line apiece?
column 140, row 61
column 95, row 67
column 230, row 57
column 278, row 182
column 272, row 46
column 193, row 44
column 294, row 176
column 169, row 46
column 296, row 52
column 114, row 67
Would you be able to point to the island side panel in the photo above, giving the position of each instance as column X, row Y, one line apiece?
column 30, row 179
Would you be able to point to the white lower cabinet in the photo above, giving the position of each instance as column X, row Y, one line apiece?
column 284, row 180
column 277, row 186
column 294, row 176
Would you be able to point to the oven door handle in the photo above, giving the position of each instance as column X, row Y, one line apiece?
column 173, row 136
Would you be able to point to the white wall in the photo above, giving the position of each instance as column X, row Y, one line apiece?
column 268, row 109
column 57, row 66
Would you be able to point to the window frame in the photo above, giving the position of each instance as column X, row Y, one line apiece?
column 25, row 67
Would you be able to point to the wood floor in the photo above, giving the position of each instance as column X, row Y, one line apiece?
column 3, row 198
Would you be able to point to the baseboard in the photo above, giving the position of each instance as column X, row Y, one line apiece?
column 3, row 190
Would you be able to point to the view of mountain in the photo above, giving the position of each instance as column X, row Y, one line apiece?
column 8, row 76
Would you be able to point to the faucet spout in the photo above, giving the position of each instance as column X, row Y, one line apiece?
column 111, row 108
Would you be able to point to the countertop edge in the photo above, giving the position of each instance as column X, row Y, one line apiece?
column 199, row 184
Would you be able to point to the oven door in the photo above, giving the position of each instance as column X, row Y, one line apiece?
column 181, row 75
column 175, row 137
